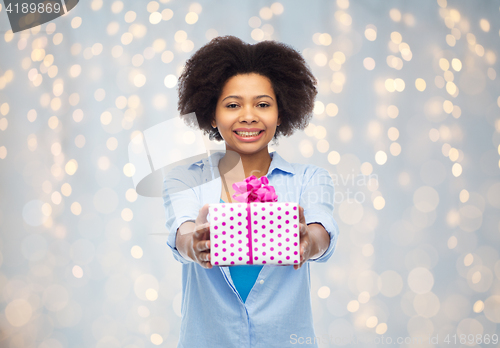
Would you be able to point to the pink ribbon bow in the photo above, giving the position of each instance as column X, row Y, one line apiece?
column 254, row 190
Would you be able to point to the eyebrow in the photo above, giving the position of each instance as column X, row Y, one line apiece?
column 256, row 97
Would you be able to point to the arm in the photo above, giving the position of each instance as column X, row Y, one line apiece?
column 317, row 199
column 182, row 239
column 193, row 239
column 320, row 240
column 314, row 240
column 181, row 202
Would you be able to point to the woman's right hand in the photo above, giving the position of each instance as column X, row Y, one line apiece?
column 196, row 245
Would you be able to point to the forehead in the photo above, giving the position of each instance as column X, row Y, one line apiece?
column 248, row 84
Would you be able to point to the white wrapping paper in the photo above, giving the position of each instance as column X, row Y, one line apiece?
column 274, row 234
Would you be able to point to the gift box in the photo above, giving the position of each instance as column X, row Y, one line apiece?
column 254, row 233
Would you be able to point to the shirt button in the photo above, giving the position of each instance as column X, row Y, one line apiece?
column 261, row 282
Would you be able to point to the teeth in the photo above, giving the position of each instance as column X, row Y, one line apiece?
column 248, row 134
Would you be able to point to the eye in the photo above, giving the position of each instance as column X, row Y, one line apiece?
column 231, row 106
column 264, row 105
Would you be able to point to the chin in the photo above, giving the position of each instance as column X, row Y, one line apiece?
column 248, row 149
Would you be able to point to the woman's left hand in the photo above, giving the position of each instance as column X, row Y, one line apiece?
column 305, row 240
column 314, row 240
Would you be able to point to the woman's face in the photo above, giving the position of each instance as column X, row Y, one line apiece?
column 247, row 113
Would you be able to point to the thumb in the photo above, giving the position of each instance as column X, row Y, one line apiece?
column 302, row 218
column 202, row 215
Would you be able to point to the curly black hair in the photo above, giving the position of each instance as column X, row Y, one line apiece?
column 207, row 71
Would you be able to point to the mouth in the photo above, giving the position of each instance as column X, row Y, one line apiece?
column 249, row 136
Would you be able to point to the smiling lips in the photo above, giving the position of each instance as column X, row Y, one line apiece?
column 248, row 135
column 248, row 132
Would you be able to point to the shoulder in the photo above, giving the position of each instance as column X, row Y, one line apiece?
column 307, row 168
column 312, row 174
column 308, row 171
column 195, row 172
column 301, row 173
column 190, row 173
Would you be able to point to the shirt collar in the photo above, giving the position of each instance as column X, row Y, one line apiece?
column 280, row 163
column 277, row 162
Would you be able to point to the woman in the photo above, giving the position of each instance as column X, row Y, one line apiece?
column 247, row 95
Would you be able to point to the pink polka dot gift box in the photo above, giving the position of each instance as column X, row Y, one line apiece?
column 256, row 231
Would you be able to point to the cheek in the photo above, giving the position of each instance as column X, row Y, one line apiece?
column 224, row 127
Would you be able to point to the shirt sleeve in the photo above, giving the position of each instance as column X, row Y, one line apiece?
column 317, row 199
column 181, row 203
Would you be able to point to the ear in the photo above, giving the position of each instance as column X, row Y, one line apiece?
column 279, row 121
column 214, row 125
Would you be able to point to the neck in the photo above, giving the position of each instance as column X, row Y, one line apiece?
column 240, row 166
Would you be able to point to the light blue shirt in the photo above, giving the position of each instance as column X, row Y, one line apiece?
column 278, row 306
column 244, row 277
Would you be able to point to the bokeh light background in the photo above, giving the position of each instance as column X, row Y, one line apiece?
column 407, row 121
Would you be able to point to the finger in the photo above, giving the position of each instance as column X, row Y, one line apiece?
column 199, row 236
column 205, row 264
column 208, row 265
column 204, row 256
column 202, row 246
column 304, row 247
column 302, row 230
column 302, row 218
column 203, row 259
column 201, row 230
column 202, row 215
column 300, row 265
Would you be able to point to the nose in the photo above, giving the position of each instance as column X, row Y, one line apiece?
column 248, row 115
